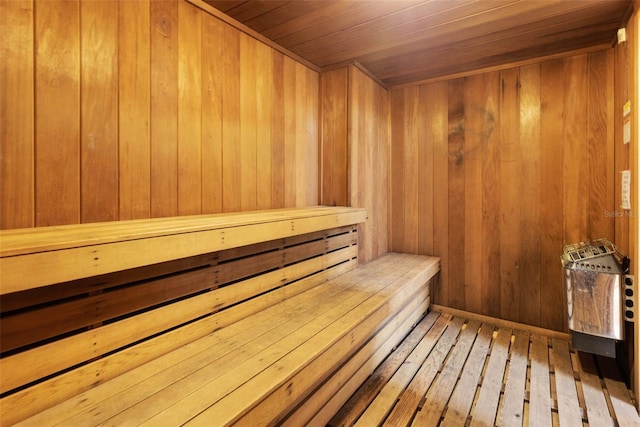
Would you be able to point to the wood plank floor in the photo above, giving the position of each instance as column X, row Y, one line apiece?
column 459, row 371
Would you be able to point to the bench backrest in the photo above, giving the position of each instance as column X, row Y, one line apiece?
column 59, row 338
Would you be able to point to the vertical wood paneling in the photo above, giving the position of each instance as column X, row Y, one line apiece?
column 510, row 183
column 132, row 109
column 474, row 146
column 425, row 156
column 529, row 271
column 134, row 98
column 600, row 144
column 264, row 94
column 520, row 144
column 277, row 132
column 231, row 152
column 248, row 119
column 16, row 114
column 212, row 114
column 57, row 113
column 355, row 152
column 491, row 298
column 411, row 143
column 164, row 109
column 311, row 137
column 397, row 170
column 99, row 110
column 334, row 141
column 552, row 109
column 290, row 136
column 456, row 201
column 440, row 125
column 189, row 110
column 575, row 149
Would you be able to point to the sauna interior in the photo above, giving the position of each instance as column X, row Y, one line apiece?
column 489, row 134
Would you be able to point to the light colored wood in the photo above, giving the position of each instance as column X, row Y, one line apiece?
column 17, row 115
column 212, row 114
column 134, row 109
column 502, row 323
column 625, row 413
column 75, row 349
column 385, row 400
column 486, row 405
column 438, row 395
column 459, row 405
column 112, row 366
column 248, row 116
column 539, row 394
column 131, row 249
column 264, row 94
column 189, row 102
column 379, row 380
column 410, row 398
column 57, row 113
column 530, row 392
column 595, row 402
column 164, row 109
column 165, row 132
column 332, row 395
column 568, row 407
column 351, row 328
column 215, row 361
column 99, row 121
column 511, row 413
column 243, row 28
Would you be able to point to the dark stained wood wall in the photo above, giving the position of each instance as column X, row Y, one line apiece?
column 131, row 109
column 355, row 151
column 496, row 172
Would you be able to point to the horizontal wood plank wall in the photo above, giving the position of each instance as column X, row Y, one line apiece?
column 136, row 109
column 496, row 172
column 355, row 152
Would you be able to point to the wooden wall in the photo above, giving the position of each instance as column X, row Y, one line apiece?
column 114, row 110
column 355, row 151
column 496, row 172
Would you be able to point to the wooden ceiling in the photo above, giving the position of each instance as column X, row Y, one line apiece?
column 402, row 41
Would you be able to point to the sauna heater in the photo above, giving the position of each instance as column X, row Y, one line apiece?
column 594, row 274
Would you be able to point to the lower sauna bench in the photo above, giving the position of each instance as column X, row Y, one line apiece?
column 248, row 319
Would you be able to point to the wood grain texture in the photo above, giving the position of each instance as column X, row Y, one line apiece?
column 57, row 113
column 133, row 109
column 17, row 105
column 164, row 109
column 99, row 111
column 518, row 164
column 355, row 152
column 189, row 133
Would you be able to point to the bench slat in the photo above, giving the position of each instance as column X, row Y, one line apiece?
column 50, row 358
column 51, row 256
column 289, row 307
column 347, row 332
